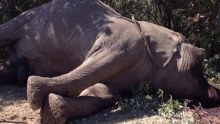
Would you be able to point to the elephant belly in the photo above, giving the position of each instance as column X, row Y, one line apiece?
column 49, row 59
column 53, row 66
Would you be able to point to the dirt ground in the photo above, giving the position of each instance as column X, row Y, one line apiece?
column 14, row 109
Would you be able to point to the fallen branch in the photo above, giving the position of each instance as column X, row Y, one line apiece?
column 12, row 121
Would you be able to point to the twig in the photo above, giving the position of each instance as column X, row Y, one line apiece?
column 12, row 121
column 195, row 20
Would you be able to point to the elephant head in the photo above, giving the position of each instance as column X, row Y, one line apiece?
column 178, row 65
column 183, row 77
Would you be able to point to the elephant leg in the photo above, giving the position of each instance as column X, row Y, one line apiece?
column 96, row 68
column 57, row 109
column 7, row 73
column 13, row 72
column 21, row 73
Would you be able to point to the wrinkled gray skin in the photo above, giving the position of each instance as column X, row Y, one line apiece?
column 85, row 56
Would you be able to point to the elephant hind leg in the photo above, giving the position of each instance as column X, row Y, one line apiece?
column 99, row 66
column 58, row 109
column 13, row 72
column 7, row 73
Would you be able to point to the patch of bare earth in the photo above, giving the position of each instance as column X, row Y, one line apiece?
column 14, row 108
column 209, row 116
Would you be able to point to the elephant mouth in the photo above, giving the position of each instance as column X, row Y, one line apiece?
column 215, row 85
column 213, row 97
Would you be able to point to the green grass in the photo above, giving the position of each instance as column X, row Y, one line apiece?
column 165, row 107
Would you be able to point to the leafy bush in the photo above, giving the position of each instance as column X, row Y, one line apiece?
column 212, row 69
column 11, row 8
column 194, row 19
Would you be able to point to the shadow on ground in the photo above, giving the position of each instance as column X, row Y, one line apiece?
column 9, row 94
column 113, row 116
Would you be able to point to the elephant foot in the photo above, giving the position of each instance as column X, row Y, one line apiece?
column 37, row 90
column 54, row 110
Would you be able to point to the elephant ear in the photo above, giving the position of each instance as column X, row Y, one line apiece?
column 161, row 42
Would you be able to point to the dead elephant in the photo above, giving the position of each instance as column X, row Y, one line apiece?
column 85, row 56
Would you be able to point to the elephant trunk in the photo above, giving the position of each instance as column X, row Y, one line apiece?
column 212, row 97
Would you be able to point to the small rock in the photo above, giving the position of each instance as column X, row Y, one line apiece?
column 24, row 118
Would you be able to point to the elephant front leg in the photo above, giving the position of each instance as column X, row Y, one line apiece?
column 99, row 66
column 57, row 109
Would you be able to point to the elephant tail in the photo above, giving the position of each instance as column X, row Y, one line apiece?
column 12, row 30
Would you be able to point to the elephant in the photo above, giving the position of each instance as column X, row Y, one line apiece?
column 80, row 56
